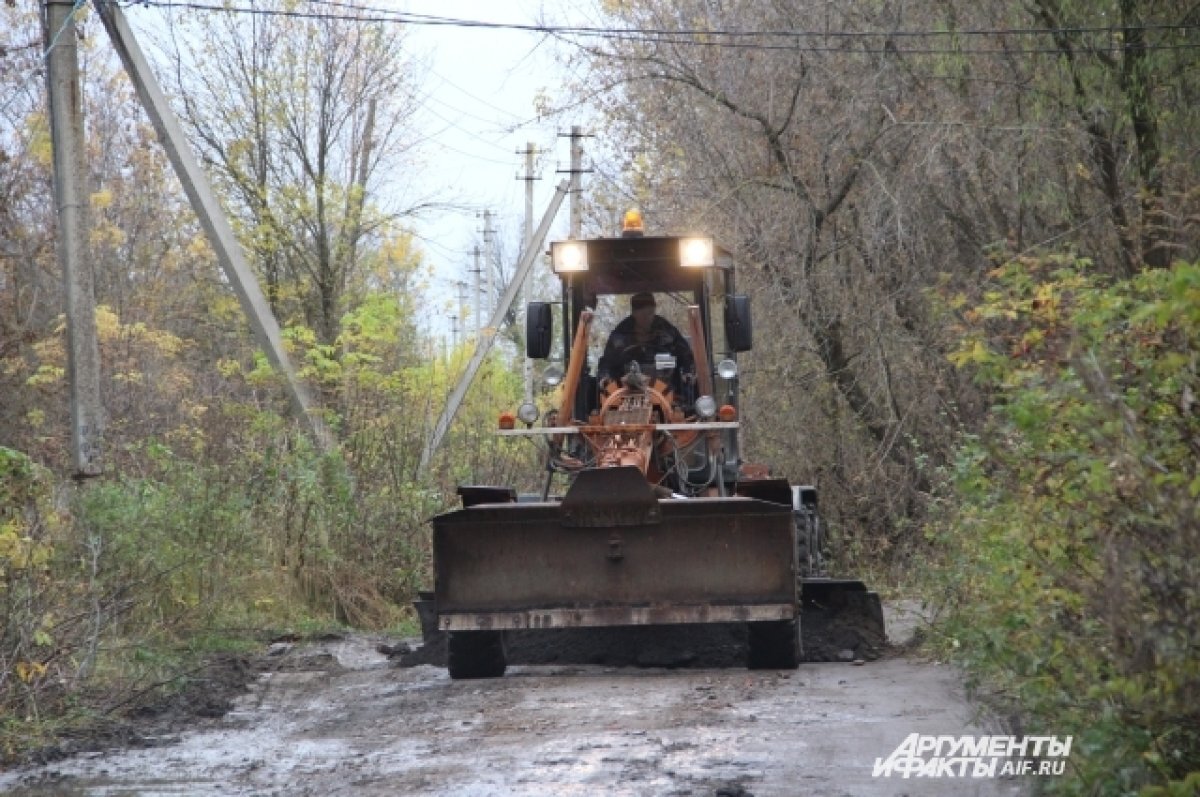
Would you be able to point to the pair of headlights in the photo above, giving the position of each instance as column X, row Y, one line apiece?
column 572, row 256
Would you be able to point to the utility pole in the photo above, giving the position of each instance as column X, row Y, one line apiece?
column 576, row 171
column 211, row 215
column 461, row 291
column 526, row 244
column 576, row 181
column 489, row 259
column 476, row 271
column 71, row 197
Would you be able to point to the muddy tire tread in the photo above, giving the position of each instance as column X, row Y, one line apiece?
column 773, row 645
column 475, row 654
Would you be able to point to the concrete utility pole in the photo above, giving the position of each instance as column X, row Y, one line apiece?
column 489, row 259
column 461, row 309
column 488, row 334
column 212, row 217
column 476, row 271
column 526, row 243
column 71, row 196
column 576, row 182
column 576, row 171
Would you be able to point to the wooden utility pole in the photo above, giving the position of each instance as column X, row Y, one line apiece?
column 71, row 196
column 461, row 309
column 212, row 216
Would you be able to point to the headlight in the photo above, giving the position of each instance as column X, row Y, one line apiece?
column 706, row 407
column 553, row 374
column 528, row 413
column 727, row 369
column 696, row 252
column 568, row 256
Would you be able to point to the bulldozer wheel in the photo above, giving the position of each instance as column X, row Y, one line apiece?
column 475, row 654
column 773, row 645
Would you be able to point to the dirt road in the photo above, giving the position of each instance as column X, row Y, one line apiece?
column 342, row 720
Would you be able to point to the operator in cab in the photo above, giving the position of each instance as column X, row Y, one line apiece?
column 639, row 337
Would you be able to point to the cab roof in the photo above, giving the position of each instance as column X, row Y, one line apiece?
column 642, row 263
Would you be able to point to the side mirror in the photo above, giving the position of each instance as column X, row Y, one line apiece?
column 539, row 329
column 739, row 329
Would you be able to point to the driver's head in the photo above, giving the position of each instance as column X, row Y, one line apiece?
column 641, row 307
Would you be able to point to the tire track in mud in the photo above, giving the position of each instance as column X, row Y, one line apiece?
column 344, row 721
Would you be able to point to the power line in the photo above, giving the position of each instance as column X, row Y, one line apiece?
column 451, row 123
column 427, row 19
column 717, row 38
column 473, row 97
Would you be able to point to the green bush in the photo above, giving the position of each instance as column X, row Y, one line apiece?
column 1071, row 536
column 52, row 617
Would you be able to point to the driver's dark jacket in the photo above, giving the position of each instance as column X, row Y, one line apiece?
column 664, row 339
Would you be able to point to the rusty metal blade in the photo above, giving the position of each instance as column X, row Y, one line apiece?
column 840, row 616
column 495, row 559
column 777, row 491
column 606, row 497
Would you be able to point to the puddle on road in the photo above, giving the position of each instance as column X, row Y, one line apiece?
column 363, row 729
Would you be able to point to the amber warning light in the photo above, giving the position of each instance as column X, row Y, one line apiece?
column 632, row 225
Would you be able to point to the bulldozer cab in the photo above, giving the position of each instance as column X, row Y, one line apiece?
column 692, row 279
column 680, row 271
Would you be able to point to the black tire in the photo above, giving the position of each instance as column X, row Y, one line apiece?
column 773, row 645
column 803, row 547
column 475, row 654
column 809, row 554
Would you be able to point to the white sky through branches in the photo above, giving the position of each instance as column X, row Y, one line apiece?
column 478, row 111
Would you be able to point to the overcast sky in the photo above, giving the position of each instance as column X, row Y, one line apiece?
column 480, row 87
column 480, row 112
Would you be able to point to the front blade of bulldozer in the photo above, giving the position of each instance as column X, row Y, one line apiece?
column 612, row 554
column 841, row 620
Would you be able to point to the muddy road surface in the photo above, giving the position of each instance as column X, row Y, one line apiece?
column 342, row 719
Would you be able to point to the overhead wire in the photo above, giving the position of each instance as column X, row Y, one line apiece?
column 428, row 19
column 460, row 128
column 470, row 96
column 719, row 38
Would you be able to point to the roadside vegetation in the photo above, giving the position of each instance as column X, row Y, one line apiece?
column 217, row 523
column 224, row 530
column 1066, row 541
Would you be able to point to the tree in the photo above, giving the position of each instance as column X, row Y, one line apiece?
column 1118, row 84
column 300, row 120
column 857, row 156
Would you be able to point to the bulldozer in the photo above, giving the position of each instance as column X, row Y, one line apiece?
column 662, row 521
